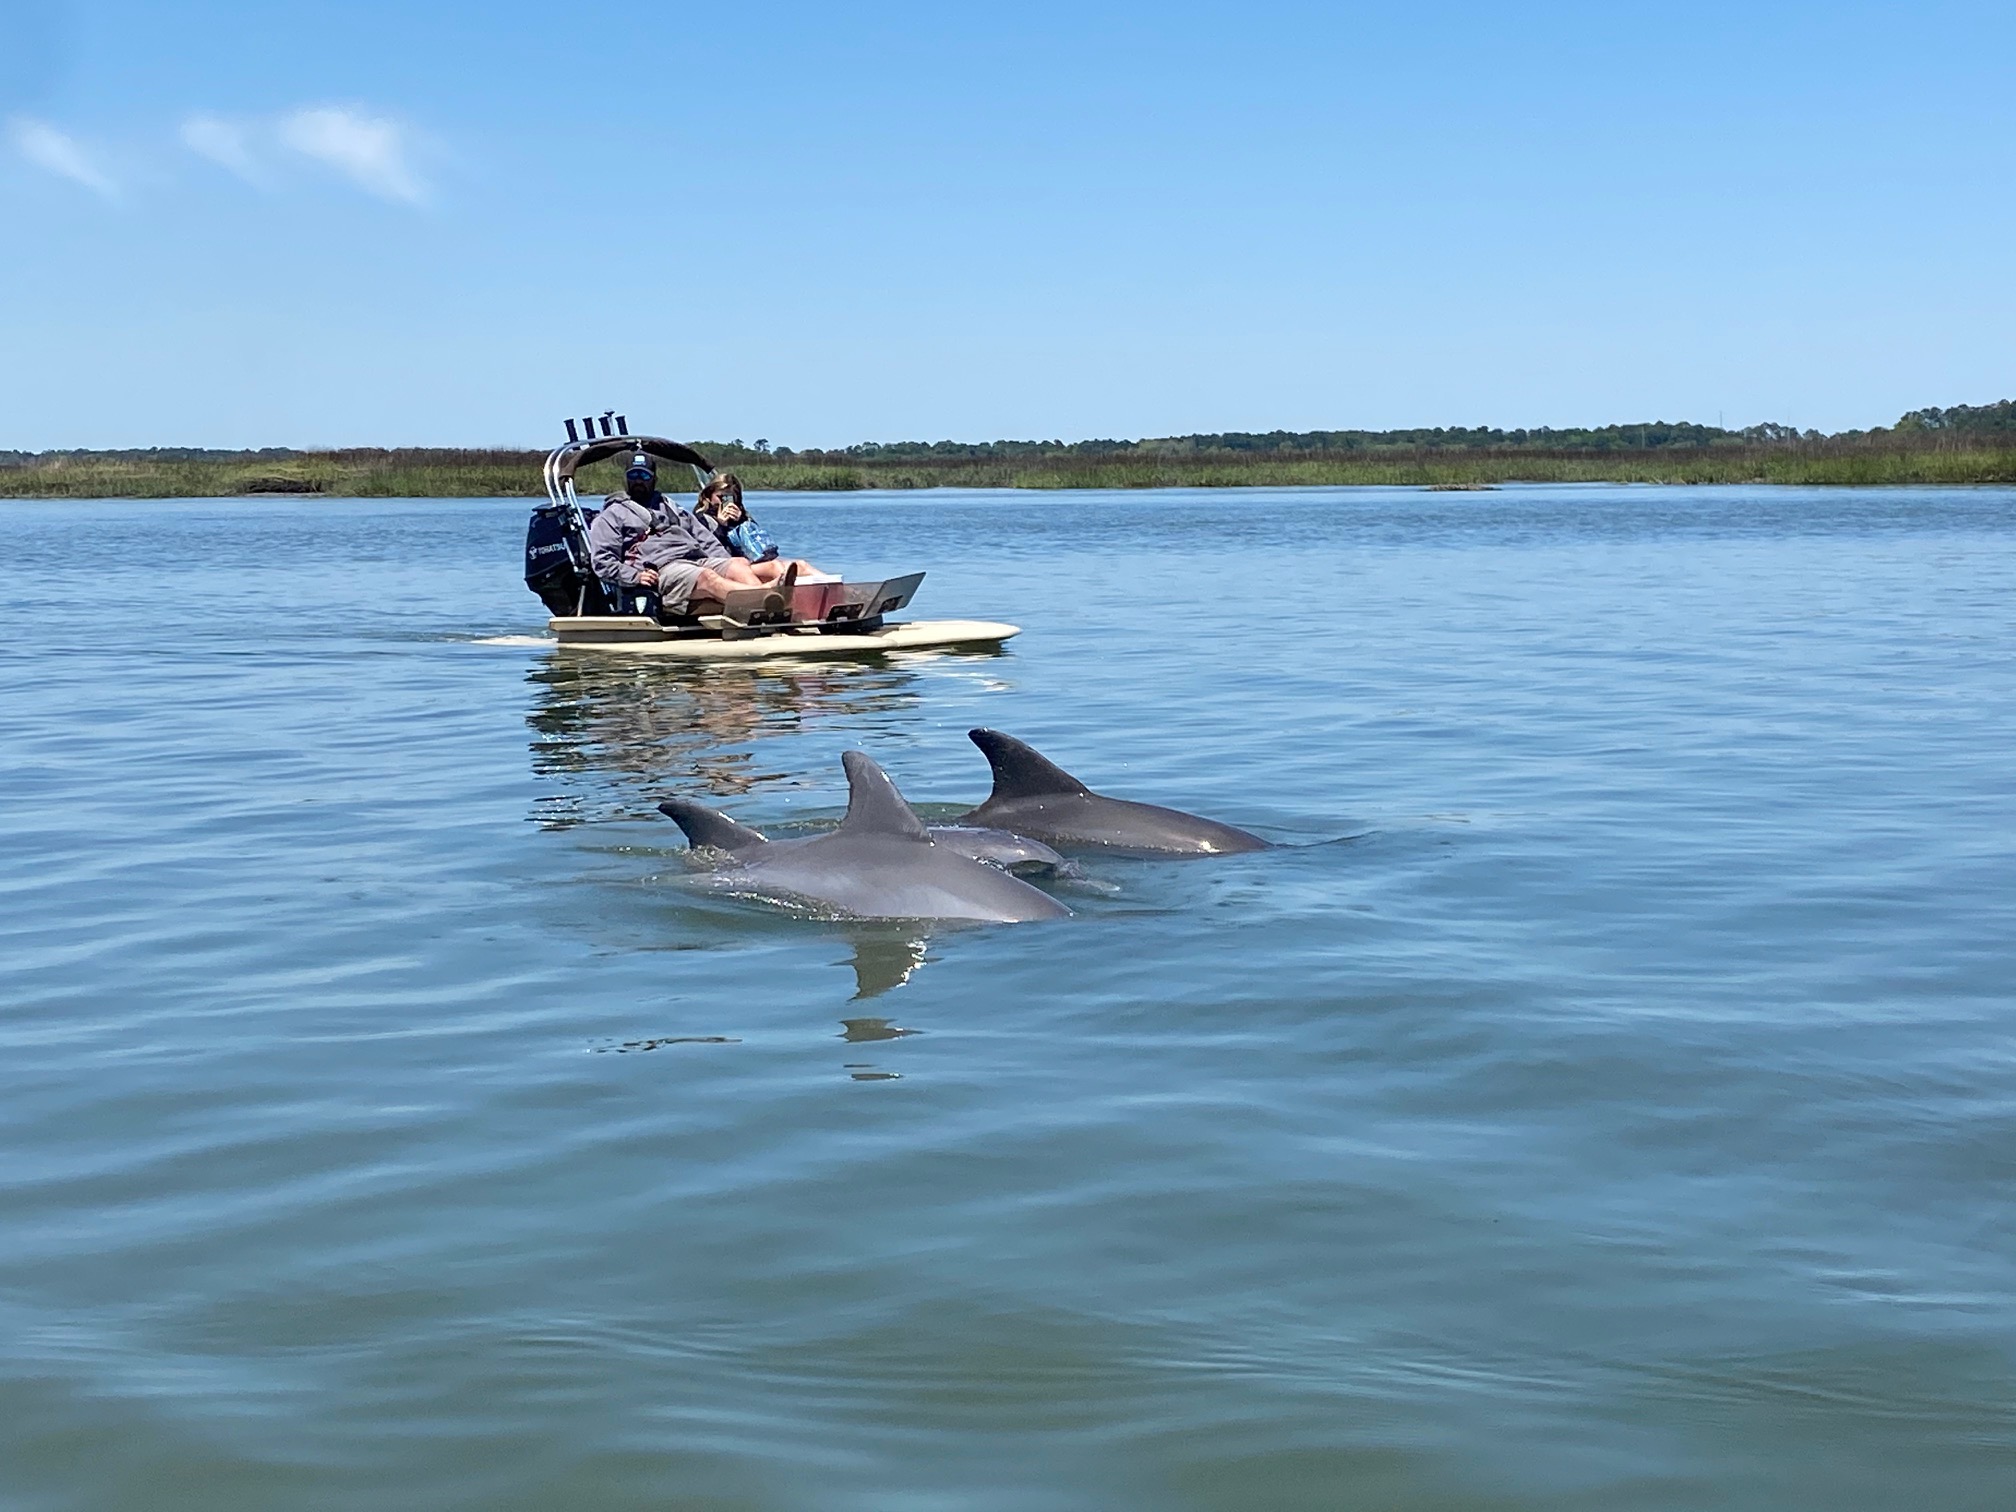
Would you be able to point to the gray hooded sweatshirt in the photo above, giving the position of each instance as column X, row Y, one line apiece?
column 625, row 538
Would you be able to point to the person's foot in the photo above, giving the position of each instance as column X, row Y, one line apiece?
column 778, row 601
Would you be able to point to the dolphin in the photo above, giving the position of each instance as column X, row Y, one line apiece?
column 996, row 847
column 1036, row 798
column 880, row 864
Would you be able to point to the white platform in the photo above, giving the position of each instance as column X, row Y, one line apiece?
column 639, row 635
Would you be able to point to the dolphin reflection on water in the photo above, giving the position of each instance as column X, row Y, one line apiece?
column 885, row 957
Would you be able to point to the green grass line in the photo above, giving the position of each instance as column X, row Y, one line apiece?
column 421, row 473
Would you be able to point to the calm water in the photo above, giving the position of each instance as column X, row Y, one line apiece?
column 1603, row 1101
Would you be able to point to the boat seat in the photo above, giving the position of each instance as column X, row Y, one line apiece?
column 634, row 600
column 629, row 600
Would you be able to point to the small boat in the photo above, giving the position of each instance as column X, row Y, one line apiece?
column 826, row 616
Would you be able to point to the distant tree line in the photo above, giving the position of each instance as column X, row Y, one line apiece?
column 1964, row 444
column 1962, row 420
column 1998, row 419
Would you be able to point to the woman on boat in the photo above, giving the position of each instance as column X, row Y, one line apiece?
column 721, row 510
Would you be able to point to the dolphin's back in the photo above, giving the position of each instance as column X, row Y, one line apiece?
column 887, row 877
column 881, row 864
column 703, row 826
column 1118, row 824
column 1035, row 797
column 1019, row 771
column 874, row 807
column 997, row 847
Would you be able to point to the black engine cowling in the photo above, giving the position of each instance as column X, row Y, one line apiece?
column 556, row 562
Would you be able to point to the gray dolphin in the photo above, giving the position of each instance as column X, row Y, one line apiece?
column 880, row 864
column 1036, row 798
column 997, row 847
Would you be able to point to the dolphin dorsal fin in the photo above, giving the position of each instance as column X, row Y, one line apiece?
column 1019, row 772
column 874, row 807
column 705, row 827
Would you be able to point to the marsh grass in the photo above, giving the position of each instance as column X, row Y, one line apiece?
column 441, row 473
column 361, row 473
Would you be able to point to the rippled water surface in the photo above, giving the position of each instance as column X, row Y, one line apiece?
column 1601, row 1100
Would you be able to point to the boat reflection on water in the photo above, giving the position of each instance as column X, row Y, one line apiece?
column 643, row 728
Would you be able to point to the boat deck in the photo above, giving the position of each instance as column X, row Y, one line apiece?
column 639, row 634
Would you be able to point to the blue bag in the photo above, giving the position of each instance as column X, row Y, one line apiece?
column 752, row 541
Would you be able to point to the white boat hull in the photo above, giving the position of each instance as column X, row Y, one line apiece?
column 639, row 635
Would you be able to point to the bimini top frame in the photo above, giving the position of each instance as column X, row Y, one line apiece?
column 563, row 462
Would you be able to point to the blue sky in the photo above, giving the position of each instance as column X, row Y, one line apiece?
column 367, row 223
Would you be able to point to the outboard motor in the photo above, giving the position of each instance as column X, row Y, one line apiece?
column 556, row 562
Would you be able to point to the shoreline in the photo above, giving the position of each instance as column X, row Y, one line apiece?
column 421, row 474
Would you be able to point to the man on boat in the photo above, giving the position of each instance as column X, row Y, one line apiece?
column 641, row 539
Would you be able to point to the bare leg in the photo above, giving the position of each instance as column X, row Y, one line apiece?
column 718, row 585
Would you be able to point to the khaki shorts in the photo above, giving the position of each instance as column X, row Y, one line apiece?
column 676, row 582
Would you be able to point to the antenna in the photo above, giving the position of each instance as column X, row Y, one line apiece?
column 572, row 434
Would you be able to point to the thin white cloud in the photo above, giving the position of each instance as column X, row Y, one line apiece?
column 228, row 144
column 370, row 151
column 59, row 153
